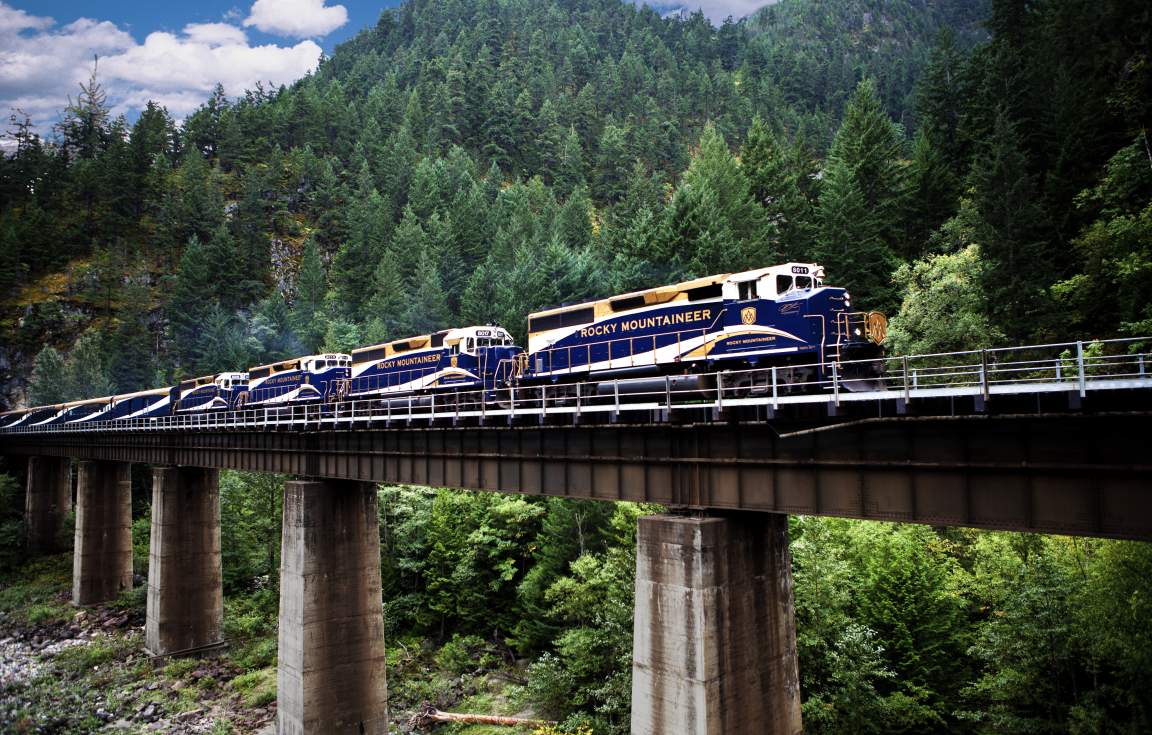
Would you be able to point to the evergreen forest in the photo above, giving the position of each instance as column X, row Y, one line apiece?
column 980, row 170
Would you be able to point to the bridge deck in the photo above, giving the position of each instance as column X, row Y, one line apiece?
column 1061, row 451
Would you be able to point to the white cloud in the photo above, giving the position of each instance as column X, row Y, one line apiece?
column 296, row 18
column 215, row 34
column 42, row 64
column 715, row 10
column 18, row 20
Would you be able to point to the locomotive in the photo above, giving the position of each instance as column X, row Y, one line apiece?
column 681, row 336
column 782, row 316
column 470, row 358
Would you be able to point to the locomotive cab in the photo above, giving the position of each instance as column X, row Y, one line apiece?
column 231, row 381
column 472, row 340
column 489, row 350
column 328, row 374
column 788, row 281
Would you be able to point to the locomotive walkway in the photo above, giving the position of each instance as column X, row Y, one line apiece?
column 1050, row 438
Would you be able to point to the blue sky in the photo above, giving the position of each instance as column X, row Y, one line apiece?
column 141, row 18
column 175, row 53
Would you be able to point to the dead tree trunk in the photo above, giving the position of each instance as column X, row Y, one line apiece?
column 429, row 716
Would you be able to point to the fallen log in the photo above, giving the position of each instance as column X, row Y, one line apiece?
column 429, row 716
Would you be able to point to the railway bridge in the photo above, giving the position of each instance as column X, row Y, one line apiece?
column 1050, row 439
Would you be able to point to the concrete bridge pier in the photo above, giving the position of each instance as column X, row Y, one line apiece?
column 102, row 556
column 47, row 501
column 185, row 592
column 331, row 676
column 715, row 636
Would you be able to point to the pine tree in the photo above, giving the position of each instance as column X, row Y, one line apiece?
column 48, row 383
column 570, row 164
column 355, row 261
column 574, row 223
column 310, row 290
column 233, row 285
column 193, row 205
column 271, row 325
column 714, row 215
column 871, row 145
column 613, row 163
column 427, row 310
column 525, row 135
column 84, row 126
column 932, row 196
column 906, row 599
column 940, row 101
column 12, row 267
column 85, row 375
column 850, row 239
column 227, row 343
column 497, row 128
column 132, row 363
column 189, row 302
column 153, row 142
column 773, row 179
column 1012, row 229
column 699, row 236
column 389, row 303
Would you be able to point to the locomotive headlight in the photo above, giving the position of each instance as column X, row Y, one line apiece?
column 847, row 302
column 857, row 332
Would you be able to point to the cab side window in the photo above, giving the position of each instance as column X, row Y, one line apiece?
column 747, row 290
column 783, row 285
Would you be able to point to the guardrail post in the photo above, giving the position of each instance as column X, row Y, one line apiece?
column 616, row 398
column 720, row 390
column 578, row 392
column 1080, row 368
column 1059, row 370
column 836, row 382
column 1140, row 364
column 775, row 392
column 984, row 373
column 915, row 379
column 668, row 393
column 907, row 390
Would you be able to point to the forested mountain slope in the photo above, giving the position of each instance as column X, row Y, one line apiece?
column 816, row 52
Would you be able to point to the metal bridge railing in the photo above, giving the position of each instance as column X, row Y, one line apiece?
column 1074, row 367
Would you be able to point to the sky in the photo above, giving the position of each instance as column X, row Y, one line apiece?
column 176, row 53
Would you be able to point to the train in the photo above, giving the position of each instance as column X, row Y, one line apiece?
column 680, row 336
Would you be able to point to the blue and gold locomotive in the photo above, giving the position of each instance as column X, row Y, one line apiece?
column 300, row 380
column 736, row 325
column 209, row 393
column 468, row 358
column 778, row 316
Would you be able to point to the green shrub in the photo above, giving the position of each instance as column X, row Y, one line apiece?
column 464, row 654
column 47, row 612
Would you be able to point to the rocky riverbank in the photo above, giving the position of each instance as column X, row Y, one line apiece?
column 65, row 671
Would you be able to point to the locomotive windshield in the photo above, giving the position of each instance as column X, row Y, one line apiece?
column 493, row 341
column 786, row 284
